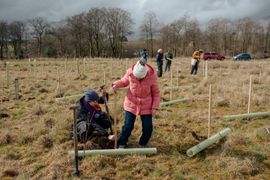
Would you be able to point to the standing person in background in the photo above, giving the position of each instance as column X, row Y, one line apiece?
column 195, row 61
column 169, row 59
column 144, row 54
column 159, row 59
column 142, row 98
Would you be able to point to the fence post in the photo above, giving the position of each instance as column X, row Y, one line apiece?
column 7, row 74
column 249, row 94
column 206, row 69
column 210, row 111
column 171, row 84
column 16, row 87
column 115, row 120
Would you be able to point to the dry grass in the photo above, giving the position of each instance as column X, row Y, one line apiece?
column 34, row 141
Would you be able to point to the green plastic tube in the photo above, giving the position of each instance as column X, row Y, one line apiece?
column 174, row 102
column 204, row 144
column 68, row 97
column 129, row 151
column 250, row 115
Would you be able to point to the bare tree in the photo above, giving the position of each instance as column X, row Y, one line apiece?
column 60, row 32
column 172, row 35
column 182, row 35
column 105, row 31
column 77, row 30
column 149, row 30
column 40, row 26
column 245, row 30
column 193, row 36
column 118, row 27
column 214, row 35
column 16, row 31
column 3, row 38
column 95, row 22
column 267, row 39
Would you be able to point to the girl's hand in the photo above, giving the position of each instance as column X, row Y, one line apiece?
column 154, row 111
column 114, row 89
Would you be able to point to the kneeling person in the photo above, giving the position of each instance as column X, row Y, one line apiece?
column 90, row 119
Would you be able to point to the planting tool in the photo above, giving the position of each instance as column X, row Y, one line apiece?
column 77, row 172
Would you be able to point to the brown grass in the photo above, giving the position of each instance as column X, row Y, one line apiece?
column 35, row 136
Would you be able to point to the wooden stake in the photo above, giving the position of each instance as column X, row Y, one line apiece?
column 43, row 66
column 210, row 111
column 111, row 67
column 58, row 83
column 83, row 65
column 126, row 65
column 75, row 140
column 260, row 76
column 171, row 84
column 203, row 67
column 16, row 87
column 29, row 66
column 249, row 94
column 206, row 69
column 3, row 88
column 35, row 67
column 268, row 130
column 7, row 74
column 104, row 76
column 115, row 120
column 66, row 65
column 178, row 76
column 78, row 67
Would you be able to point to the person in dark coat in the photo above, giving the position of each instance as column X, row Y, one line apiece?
column 169, row 59
column 90, row 118
column 159, row 60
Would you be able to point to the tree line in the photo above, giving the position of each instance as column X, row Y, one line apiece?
column 104, row 32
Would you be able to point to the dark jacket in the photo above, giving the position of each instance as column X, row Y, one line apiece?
column 168, row 56
column 159, row 58
column 144, row 54
column 87, row 123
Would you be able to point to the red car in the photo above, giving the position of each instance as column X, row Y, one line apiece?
column 211, row 55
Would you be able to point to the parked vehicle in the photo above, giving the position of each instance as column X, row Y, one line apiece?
column 212, row 55
column 242, row 56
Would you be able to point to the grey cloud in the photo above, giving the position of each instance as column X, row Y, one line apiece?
column 167, row 11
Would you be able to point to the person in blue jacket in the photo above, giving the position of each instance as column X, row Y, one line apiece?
column 144, row 54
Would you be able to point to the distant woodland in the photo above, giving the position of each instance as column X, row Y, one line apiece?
column 106, row 32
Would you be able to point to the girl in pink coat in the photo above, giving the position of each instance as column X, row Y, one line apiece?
column 142, row 98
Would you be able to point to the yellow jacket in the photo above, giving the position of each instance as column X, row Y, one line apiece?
column 196, row 55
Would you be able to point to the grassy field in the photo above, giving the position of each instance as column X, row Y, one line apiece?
column 34, row 141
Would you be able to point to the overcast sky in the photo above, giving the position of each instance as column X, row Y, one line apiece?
column 166, row 10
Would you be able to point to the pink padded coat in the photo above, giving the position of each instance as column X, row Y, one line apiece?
column 143, row 95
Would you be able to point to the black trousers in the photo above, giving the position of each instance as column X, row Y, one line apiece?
column 168, row 66
column 160, row 70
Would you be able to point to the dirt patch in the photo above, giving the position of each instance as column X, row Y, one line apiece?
column 4, row 116
column 10, row 173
